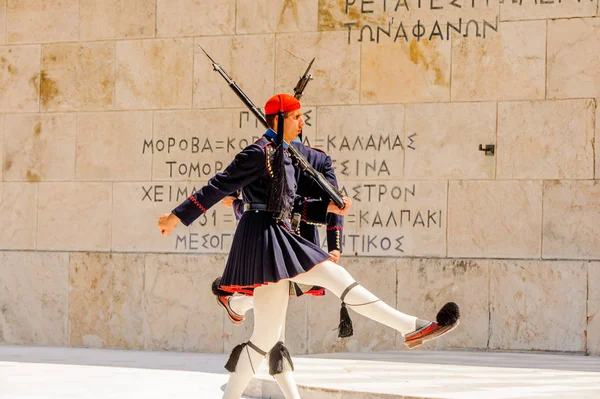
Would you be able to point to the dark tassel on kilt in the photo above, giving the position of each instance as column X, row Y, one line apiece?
column 277, row 359
column 279, row 195
column 234, row 357
column 345, row 329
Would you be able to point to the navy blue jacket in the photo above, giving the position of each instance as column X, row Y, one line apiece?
column 308, row 189
column 249, row 166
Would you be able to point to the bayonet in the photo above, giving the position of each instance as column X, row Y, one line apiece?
column 304, row 79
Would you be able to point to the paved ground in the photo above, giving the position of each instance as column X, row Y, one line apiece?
column 59, row 373
column 443, row 374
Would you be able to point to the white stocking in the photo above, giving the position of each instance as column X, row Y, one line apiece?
column 287, row 383
column 336, row 279
column 270, row 307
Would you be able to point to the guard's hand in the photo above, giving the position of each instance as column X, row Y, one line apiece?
column 228, row 201
column 167, row 223
column 335, row 255
column 332, row 207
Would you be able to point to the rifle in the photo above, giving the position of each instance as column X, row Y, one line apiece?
column 332, row 191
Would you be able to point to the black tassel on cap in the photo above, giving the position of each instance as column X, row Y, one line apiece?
column 277, row 359
column 279, row 195
column 234, row 357
column 448, row 314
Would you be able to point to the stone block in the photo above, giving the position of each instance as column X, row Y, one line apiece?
column 2, row 21
column 245, row 129
column 39, row 147
column 249, row 60
column 181, row 313
column 414, row 71
column 336, row 69
column 195, row 17
column 378, row 276
column 509, row 65
column 597, row 140
column 192, row 145
column 116, row 19
column 110, row 146
column 546, row 140
column 18, row 205
column 105, row 300
column 372, row 144
column 1, row 147
column 78, row 76
column 510, row 11
column 137, row 207
column 425, row 285
column 573, row 58
column 264, row 16
column 447, row 138
column 536, row 305
column 19, row 78
column 401, row 218
column 335, row 15
column 34, row 298
column 495, row 219
column 211, row 233
column 154, row 74
column 593, row 309
column 571, row 219
column 40, row 21
column 74, row 216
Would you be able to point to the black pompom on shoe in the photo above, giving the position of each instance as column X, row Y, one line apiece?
column 448, row 314
column 447, row 320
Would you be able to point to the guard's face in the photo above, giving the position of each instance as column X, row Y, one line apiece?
column 292, row 125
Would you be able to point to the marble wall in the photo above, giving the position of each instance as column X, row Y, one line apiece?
column 164, row 302
column 111, row 114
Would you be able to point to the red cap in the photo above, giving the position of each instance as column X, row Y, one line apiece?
column 281, row 102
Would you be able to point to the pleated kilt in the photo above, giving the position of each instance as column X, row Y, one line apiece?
column 265, row 251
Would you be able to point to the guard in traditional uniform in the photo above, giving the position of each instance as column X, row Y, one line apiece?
column 266, row 254
column 237, row 306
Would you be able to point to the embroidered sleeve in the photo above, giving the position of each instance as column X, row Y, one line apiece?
column 246, row 167
column 335, row 229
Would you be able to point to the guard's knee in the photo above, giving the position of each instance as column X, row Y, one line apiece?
column 266, row 337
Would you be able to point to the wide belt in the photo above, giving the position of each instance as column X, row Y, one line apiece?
column 294, row 220
column 255, row 207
